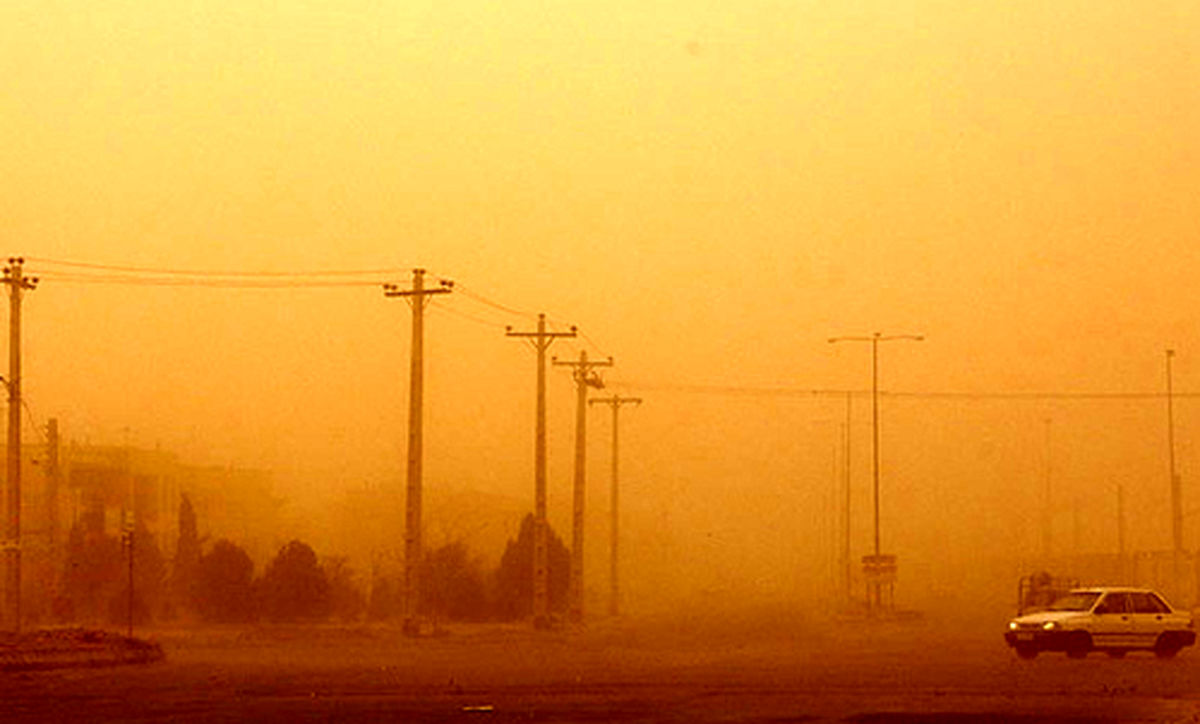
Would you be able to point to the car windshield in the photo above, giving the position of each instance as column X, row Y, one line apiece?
column 1074, row 602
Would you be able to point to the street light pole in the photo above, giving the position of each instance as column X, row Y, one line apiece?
column 878, row 570
column 1176, row 487
column 875, row 339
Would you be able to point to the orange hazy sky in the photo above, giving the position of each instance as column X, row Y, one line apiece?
column 708, row 189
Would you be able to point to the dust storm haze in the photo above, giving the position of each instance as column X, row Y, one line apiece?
column 710, row 191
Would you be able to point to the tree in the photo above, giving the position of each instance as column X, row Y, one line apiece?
column 513, row 581
column 187, row 557
column 96, row 574
column 387, row 598
column 293, row 587
column 224, row 584
column 454, row 584
column 346, row 599
column 92, row 573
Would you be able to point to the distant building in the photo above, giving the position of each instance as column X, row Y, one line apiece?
column 99, row 487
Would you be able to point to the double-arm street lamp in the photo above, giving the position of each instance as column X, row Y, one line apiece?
column 1176, row 487
column 875, row 339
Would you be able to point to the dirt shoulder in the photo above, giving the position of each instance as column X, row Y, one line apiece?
column 72, row 647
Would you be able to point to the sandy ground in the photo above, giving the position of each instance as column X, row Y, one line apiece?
column 733, row 668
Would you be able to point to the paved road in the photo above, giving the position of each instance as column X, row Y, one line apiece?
column 686, row 671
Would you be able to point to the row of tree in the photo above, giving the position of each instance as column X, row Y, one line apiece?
column 216, row 582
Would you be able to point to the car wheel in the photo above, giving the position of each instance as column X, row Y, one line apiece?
column 1027, row 651
column 1166, row 647
column 1117, row 653
column 1079, row 645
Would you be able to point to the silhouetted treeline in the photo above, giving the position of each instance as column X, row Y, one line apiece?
column 217, row 584
column 457, row 587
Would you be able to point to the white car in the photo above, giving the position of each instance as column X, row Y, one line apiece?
column 1109, row 619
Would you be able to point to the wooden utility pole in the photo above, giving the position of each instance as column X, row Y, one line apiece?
column 17, row 284
column 584, row 378
column 541, row 340
column 417, row 298
column 614, row 591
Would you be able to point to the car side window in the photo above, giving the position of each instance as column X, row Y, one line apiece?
column 1148, row 603
column 1113, row 603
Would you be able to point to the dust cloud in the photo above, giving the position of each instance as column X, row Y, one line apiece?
column 212, row 198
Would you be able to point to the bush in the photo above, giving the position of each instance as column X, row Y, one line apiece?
column 346, row 599
column 453, row 585
column 224, row 585
column 513, row 592
column 293, row 587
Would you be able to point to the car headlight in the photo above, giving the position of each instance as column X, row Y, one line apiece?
column 1012, row 626
column 1049, row 625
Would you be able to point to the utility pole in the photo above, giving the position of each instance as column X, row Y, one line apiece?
column 584, row 377
column 1176, row 484
column 541, row 340
column 1121, row 532
column 17, row 285
column 417, row 298
column 52, row 483
column 615, row 402
column 1047, row 500
column 127, row 530
column 846, row 576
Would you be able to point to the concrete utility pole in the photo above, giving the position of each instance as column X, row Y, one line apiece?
column 1047, row 499
column 417, row 298
column 615, row 402
column 1121, row 531
column 17, row 284
column 52, row 484
column 1176, row 484
column 584, row 377
column 847, row 578
column 541, row 340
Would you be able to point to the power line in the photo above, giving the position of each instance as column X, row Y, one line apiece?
column 211, row 282
column 213, row 273
column 132, row 275
column 801, row 392
column 494, row 304
column 477, row 297
column 592, row 342
column 470, row 317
